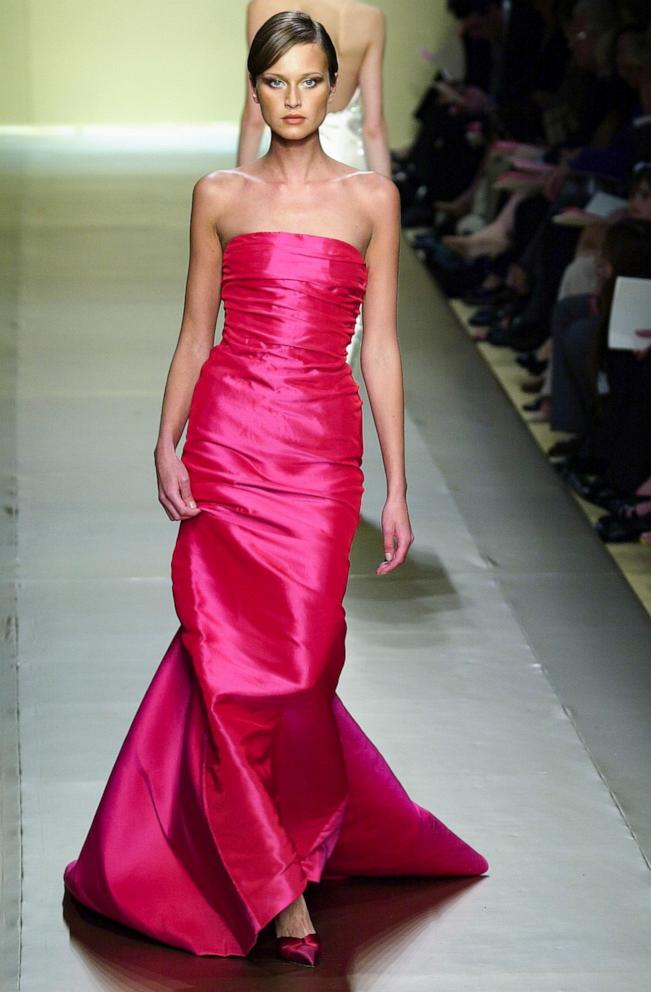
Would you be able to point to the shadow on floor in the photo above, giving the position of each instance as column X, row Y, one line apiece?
column 411, row 596
column 360, row 920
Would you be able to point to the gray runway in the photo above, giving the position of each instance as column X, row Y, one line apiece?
column 504, row 672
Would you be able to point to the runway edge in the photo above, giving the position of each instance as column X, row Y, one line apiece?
column 10, row 846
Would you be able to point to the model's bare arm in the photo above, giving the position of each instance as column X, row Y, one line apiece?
column 376, row 135
column 196, row 338
column 382, row 368
column 251, row 122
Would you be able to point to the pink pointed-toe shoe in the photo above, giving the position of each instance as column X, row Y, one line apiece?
column 300, row 950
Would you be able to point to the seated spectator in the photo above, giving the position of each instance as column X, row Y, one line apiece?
column 580, row 276
column 521, row 231
column 457, row 119
column 628, row 519
column 542, row 267
column 613, row 426
column 551, row 248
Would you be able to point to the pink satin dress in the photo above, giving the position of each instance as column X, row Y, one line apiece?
column 243, row 777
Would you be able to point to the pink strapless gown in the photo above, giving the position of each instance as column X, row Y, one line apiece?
column 243, row 776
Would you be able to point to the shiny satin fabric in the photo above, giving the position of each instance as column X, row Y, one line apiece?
column 342, row 136
column 243, row 777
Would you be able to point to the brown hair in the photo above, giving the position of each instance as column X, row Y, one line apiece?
column 627, row 248
column 641, row 176
column 280, row 33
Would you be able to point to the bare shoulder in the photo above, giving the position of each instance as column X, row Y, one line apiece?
column 216, row 191
column 376, row 203
column 375, row 191
column 256, row 8
column 222, row 182
column 374, row 18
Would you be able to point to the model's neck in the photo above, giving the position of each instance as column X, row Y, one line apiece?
column 295, row 162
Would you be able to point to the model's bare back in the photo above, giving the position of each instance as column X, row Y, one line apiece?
column 352, row 26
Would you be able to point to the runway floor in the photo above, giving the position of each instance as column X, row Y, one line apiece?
column 504, row 672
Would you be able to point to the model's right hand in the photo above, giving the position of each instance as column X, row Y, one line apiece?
column 174, row 492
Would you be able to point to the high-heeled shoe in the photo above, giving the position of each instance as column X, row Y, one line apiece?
column 532, row 364
column 300, row 950
column 532, row 386
column 614, row 531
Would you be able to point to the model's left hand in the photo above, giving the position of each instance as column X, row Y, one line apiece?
column 397, row 534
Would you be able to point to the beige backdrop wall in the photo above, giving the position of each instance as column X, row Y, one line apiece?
column 168, row 61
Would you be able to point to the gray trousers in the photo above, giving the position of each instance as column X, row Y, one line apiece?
column 574, row 381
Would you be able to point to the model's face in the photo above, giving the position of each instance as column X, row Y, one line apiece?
column 294, row 92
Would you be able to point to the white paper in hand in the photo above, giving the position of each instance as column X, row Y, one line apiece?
column 603, row 205
column 630, row 312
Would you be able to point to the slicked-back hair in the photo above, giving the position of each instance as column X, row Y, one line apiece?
column 280, row 33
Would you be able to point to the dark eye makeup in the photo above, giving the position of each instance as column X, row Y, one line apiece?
column 271, row 80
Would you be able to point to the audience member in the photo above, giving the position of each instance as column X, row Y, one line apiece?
column 515, row 175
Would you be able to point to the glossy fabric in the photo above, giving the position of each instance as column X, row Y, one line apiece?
column 342, row 136
column 243, row 776
column 300, row 950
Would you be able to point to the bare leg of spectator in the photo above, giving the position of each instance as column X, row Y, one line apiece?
column 492, row 240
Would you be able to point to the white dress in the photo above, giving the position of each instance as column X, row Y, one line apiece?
column 342, row 139
column 341, row 134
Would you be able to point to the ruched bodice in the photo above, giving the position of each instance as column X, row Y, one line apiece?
column 276, row 403
column 293, row 296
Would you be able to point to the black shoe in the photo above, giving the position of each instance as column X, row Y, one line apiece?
column 595, row 491
column 532, row 386
column 582, row 465
column 425, row 239
column 561, row 449
column 483, row 318
column 454, row 274
column 499, row 335
column 614, row 531
column 532, row 364
column 533, row 405
column 623, row 507
column 529, row 341
column 577, row 481
column 479, row 296
column 493, row 316
column 525, row 335
column 419, row 214
column 506, row 337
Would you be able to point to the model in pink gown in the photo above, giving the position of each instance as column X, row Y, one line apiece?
column 243, row 777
